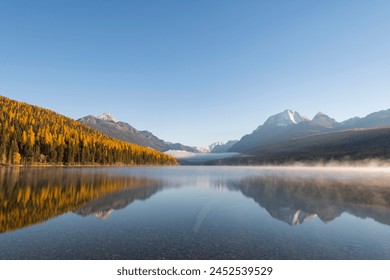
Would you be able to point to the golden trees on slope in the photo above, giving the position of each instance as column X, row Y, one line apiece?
column 30, row 134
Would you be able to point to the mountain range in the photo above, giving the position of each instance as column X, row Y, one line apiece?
column 286, row 136
column 34, row 135
column 108, row 124
column 291, row 124
column 290, row 134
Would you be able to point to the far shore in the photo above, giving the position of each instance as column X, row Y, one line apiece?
column 80, row 165
column 368, row 163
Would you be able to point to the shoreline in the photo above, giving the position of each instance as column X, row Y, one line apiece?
column 83, row 165
column 291, row 165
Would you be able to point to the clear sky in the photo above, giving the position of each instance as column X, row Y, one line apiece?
column 197, row 72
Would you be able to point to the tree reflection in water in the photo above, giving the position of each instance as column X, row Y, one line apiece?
column 33, row 195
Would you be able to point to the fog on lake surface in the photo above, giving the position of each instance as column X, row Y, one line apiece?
column 195, row 213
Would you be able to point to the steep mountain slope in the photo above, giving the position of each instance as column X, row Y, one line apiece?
column 221, row 147
column 107, row 117
column 355, row 143
column 286, row 118
column 283, row 126
column 107, row 124
column 345, row 145
column 290, row 124
column 323, row 120
column 30, row 134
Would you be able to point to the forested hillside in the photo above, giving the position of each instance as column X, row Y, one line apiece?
column 33, row 135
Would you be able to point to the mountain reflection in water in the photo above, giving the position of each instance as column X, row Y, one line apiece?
column 286, row 197
column 32, row 195
column 295, row 200
column 194, row 213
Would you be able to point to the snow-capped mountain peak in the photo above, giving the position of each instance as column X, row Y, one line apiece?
column 286, row 118
column 213, row 145
column 208, row 149
column 217, row 147
column 203, row 149
column 107, row 117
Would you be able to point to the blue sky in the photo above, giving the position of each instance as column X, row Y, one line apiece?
column 197, row 72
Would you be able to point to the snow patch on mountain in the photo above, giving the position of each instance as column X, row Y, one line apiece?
column 213, row 145
column 107, row 117
column 203, row 149
column 286, row 118
column 223, row 147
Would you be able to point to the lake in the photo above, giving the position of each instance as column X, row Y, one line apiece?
column 194, row 212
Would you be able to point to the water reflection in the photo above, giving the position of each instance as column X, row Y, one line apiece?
column 33, row 195
column 103, row 207
column 295, row 200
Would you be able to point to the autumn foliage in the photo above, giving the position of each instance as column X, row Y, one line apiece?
column 33, row 135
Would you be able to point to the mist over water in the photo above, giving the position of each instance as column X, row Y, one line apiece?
column 284, row 212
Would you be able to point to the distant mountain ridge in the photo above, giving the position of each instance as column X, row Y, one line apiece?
column 290, row 124
column 286, row 136
column 376, row 119
column 217, row 147
column 220, row 147
column 107, row 124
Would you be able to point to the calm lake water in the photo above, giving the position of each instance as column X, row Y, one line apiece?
column 194, row 213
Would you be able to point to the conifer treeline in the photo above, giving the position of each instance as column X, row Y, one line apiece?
column 30, row 134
